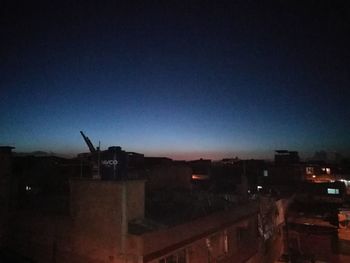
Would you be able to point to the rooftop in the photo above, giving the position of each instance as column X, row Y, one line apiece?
column 169, row 208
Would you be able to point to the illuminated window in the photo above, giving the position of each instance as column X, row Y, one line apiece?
column 266, row 173
column 332, row 191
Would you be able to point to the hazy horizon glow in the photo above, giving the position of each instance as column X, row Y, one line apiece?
column 186, row 80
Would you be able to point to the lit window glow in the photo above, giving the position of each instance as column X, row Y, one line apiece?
column 200, row 177
column 332, row 191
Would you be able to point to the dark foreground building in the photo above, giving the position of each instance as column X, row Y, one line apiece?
column 156, row 219
column 107, row 223
column 157, row 212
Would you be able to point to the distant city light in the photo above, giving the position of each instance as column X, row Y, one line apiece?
column 314, row 176
column 200, row 177
column 332, row 191
column 346, row 182
column 28, row 188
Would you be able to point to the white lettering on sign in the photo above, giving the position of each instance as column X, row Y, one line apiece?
column 110, row 162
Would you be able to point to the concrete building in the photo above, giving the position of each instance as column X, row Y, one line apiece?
column 107, row 223
column 286, row 157
column 318, row 224
column 5, row 189
column 157, row 219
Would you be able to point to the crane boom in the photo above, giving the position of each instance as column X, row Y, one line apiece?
column 88, row 142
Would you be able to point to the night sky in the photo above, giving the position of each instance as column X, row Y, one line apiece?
column 186, row 80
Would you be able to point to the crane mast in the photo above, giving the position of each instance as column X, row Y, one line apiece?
column 88, row 142
column 95, row 157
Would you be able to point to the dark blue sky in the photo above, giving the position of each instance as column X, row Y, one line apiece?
column 184, row 80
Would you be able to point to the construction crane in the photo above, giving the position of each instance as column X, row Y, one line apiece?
column 95, row 157
column 88, row 142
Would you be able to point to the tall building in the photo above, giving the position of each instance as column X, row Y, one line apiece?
column 5, row 187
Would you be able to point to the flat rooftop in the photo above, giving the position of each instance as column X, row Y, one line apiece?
column 169, row 208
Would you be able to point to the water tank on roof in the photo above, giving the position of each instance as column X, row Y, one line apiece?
column 113, row 164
